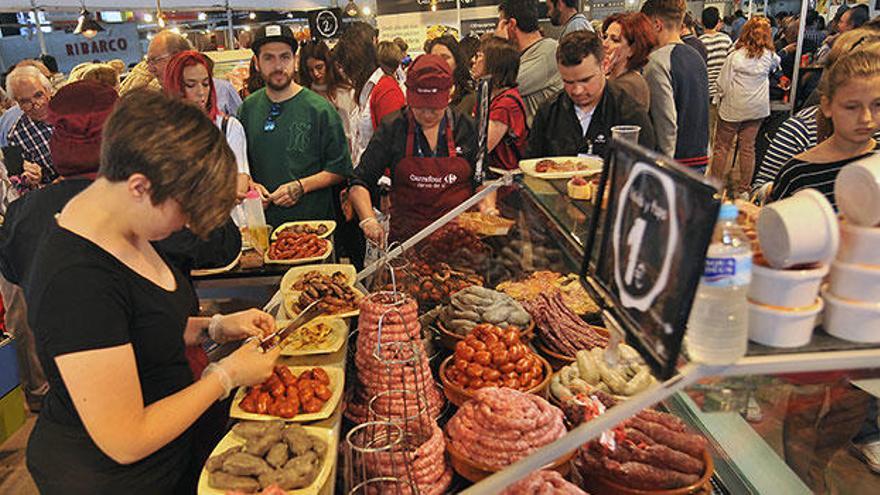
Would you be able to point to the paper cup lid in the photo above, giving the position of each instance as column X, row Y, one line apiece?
column 773, row 238
column 858, row 195
column 831, row 224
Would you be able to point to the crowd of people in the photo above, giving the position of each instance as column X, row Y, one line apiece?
column 126, row 184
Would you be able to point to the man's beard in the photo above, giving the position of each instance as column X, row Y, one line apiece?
column 278, row 87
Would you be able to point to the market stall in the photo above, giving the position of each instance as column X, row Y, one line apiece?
column 476, row 353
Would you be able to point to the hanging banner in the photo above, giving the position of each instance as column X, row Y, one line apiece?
column 478, row 27
column 414, row 27
column 117, row 41
column 386, row 7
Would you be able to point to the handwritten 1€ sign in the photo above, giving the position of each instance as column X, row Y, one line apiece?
column 644, row 236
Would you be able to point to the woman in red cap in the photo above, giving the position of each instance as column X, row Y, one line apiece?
column 188, row 76
column 430, row 150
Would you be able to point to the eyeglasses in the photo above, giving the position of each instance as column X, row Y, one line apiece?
column 29, row 103
column 154, row 61
column 274, row 113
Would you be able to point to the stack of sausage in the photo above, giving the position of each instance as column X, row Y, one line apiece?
column 500, row 426
column 654, row 451
column 400, row 323
column 560, row 328
column 543, row 483
column 428, row 468
column 384, row 381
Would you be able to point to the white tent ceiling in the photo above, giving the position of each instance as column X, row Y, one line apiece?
column 94, row 5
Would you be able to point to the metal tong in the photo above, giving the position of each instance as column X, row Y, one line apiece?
column 311, row 312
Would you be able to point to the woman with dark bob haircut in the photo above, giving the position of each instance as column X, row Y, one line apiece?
column 448, row 48
column 629, row 39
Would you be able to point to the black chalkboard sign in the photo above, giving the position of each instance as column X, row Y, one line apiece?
column 646, row 248
column 325, row 23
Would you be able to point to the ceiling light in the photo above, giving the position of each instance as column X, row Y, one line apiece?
column 203, row 16
column 290, row 15
column 366, row 10
column 352, row 9
column 86, row 25
column 252, row 15
column 148, row 17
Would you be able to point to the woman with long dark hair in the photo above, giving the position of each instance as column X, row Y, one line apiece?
column 377, row 94
column 318, row 72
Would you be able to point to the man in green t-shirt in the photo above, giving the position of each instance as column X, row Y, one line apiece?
column 296, row 145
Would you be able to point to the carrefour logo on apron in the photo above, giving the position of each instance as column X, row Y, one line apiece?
column 433, row 182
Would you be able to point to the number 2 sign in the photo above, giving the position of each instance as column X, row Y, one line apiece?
column 644, row 237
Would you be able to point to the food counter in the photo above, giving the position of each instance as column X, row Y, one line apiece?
column 724, row 434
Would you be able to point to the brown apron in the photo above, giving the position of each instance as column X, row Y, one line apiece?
column 426, row 188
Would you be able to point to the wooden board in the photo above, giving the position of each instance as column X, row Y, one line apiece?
column 204, row 272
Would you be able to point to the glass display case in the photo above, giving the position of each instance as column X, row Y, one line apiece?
column 776, row 421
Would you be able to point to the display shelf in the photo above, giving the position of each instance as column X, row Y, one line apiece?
column 744, row 462
column 688, row 374
column 570, row 216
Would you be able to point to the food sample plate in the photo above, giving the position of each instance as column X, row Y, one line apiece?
column 300, row 261
column 566, row 167
column 295, row 274
column 337, row 384
column 204, row 272
column 332, row 342
column 328, row 227
column 232, row 440
column 291, row 310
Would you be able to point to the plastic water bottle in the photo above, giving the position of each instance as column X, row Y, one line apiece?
column 718, row 328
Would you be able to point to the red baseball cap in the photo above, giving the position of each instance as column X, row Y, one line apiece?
column 428, row 82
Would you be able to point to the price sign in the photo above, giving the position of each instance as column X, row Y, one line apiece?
column 325, row 23
column 644, row 236
column 646, row 248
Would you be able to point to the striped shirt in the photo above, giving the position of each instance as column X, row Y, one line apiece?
column 717, row 46
column 796, row 135
column 797, row 175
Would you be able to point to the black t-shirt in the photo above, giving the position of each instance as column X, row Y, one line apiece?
column 797, row 175
column 82, row 298
column 29, row 218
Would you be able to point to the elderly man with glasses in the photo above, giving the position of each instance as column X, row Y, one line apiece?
column 150, row 72
column 32, row 91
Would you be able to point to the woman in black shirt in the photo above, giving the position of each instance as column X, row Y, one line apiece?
column 111, row 315
column 851, row 101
